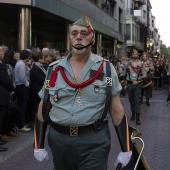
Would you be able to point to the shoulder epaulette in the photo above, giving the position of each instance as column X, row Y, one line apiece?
column 54, row 63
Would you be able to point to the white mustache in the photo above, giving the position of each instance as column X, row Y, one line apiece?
column 79, row 44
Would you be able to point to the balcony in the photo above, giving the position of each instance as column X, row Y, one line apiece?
column 140, row 2
column 129, row 11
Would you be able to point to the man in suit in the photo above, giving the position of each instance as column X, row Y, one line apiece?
column 6, row 87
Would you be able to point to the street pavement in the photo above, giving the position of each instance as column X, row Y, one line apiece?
column 155, row 128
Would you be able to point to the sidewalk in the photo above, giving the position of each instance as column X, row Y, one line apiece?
column 155, row 130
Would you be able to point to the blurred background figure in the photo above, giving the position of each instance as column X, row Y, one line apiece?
column 158, row 76
column 47, row 57
column 37, row 77
column 54, row 54
column 121, row 71
column 22, row 88
column 6, row 87
column 16, row 56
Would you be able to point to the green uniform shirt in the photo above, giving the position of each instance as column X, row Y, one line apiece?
column 133, row 75
column 148, row 65
column 66, row 111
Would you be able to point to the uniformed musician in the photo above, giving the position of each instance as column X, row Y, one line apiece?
column 134, row 76
column 121, row 71
column 148, row 68
column 79, row 136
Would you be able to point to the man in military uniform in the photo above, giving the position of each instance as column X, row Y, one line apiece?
column 79, row 136
column 134, row 76
column 147, row 83
column 121, row 71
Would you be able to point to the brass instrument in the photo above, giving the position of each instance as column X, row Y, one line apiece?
column 147, row 81
column 136, row 135
column 123, row 84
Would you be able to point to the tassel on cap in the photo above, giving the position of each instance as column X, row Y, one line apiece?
column 84, row 22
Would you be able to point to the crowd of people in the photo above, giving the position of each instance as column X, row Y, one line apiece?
column 139, row 75
column 21, row 78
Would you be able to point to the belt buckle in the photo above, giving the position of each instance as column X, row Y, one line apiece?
column 73, row 130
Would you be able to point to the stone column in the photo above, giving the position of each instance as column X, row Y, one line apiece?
column 67, row 37
column 25, row 29
column 99, row 43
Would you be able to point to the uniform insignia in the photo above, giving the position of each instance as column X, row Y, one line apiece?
column 96, row 89
column 53, row 63
column 55, row 97
column 47, row 85
column 100, row 77
column 109, row 81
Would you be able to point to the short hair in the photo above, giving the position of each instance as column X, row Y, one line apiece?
column 24, row 54
column 135, row 51
column 52, row 51
column 8, row 56
column 36, row 49
column 45, row 52
column 37, row 55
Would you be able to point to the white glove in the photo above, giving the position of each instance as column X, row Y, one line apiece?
column 41, row 154
column 123, row 158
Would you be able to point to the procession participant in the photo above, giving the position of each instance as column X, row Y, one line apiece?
column 147, row 85
column 81, row 88
column 168, row 72
column 134, row 76
column 121, row 71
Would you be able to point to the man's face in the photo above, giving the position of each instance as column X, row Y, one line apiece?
column 1, row 53
column 135, row 55
column 144, row 57
column 79, row 37
column 49, row 58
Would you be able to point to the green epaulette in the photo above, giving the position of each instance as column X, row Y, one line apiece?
column 54, row 63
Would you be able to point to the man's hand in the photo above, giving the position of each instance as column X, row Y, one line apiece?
column 135, row 82
column 123, row 158
column 41, row 154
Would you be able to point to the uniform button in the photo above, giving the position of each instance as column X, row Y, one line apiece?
column 72, row 114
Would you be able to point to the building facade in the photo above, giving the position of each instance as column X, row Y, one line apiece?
column 40, row 23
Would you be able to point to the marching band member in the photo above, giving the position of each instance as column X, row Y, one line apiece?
column 147, row 87
column 134, row 76
column 83, row 86
column 121, row 71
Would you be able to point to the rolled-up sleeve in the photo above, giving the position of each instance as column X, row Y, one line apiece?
column 116, row 86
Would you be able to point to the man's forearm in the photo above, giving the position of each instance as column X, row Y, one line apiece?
column 121, row 124
column 39, row 129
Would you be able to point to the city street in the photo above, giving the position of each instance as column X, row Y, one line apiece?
column 155, row 128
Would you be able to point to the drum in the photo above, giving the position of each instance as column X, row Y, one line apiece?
column 146, row 81
column 123, row 84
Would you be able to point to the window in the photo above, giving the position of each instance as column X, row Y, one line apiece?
column 128, row 32
column 144, row 14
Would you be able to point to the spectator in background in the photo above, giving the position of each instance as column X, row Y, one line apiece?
column 37, row 77
column 11, row 115
column 158, row 76
column 58, row 55
column 6, row 87
column 47, row 58
column 53, row 54
column 22, row 88
column 16, row 56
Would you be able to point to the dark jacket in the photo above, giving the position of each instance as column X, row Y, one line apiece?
column 37, row 78
column 6, row 85
column 158, row 71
